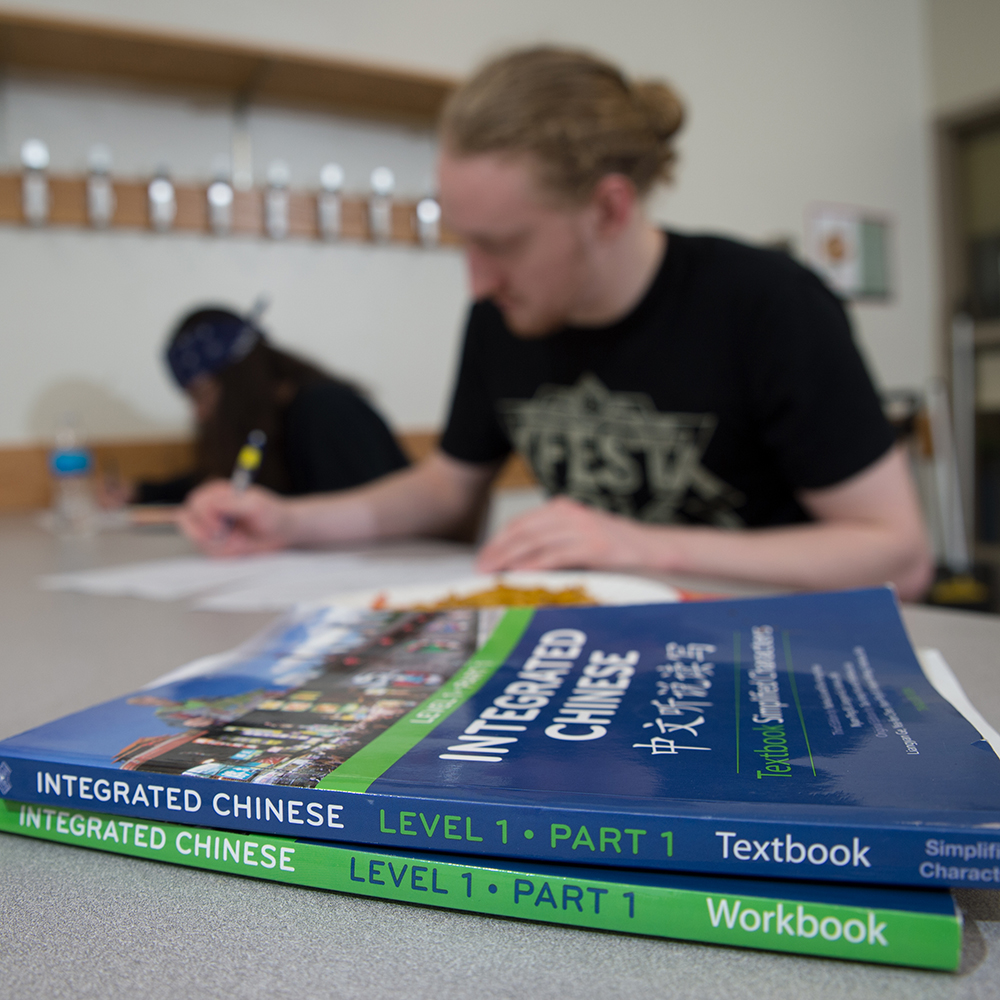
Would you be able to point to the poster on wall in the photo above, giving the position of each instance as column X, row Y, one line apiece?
column 849, row 247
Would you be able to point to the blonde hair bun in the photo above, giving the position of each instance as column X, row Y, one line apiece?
column 661, row 106
column 575, row 113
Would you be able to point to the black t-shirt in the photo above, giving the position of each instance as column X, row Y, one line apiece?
column 332, row 438
column 732, row 385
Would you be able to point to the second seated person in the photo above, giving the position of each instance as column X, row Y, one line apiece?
column 692, row 405
column 322, row 434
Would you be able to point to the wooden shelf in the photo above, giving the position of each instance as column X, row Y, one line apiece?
column 243, row 72
column 68, row 207
column 26, row 484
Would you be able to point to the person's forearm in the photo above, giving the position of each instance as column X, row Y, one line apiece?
column 427, row 499
column 810, row 556
column 867, row 530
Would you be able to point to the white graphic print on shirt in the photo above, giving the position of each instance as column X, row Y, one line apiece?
column 616, row 451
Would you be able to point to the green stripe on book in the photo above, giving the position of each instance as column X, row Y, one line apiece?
column 374, row 759
column 732, row 914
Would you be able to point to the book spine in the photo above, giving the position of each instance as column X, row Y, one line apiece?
column 887, row 936
column 926, row 856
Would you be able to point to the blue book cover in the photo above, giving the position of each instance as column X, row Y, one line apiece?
column 787, row 737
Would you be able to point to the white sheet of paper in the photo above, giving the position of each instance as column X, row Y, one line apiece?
column 286, row 585
column 261, row 583
column 158, row 580
column 937, row 671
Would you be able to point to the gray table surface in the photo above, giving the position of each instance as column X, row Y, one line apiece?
column 78, row 923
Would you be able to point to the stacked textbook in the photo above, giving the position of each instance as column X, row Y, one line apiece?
column 776, row 773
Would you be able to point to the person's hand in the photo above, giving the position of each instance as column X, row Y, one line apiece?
column 223, row 522
column 564, row 534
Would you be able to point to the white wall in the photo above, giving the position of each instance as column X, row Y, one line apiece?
column 964, row 47
column 790, row 103
column 98, row 305
column 147, row 130
column 92, row 349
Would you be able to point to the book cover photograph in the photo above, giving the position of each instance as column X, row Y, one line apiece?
column 788, row 737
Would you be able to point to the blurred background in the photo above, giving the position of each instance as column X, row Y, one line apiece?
column 863, row 138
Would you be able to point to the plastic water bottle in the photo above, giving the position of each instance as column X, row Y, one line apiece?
column 74, row 511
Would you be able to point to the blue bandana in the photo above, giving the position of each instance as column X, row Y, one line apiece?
column 212, row 340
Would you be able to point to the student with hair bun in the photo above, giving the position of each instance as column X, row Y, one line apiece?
column 691, row 404
column 322, row 434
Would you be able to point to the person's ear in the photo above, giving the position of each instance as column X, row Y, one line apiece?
column 614, row 201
